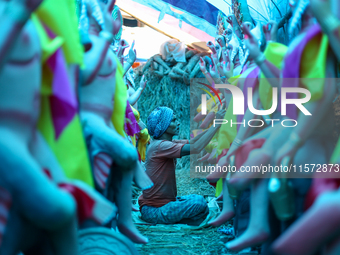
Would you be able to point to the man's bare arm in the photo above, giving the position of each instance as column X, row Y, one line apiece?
column 199, row 144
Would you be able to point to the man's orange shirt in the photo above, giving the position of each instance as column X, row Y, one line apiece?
column 160, row 167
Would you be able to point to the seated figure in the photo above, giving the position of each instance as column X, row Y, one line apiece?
column 160, row 204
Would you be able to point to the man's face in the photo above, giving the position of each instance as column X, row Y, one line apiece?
column 173, row 129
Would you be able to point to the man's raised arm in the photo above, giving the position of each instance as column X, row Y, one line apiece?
column 197, row 145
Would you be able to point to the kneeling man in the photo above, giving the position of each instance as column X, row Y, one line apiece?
column 160, row 204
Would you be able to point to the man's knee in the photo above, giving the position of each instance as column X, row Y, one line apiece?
column 200, row 203
column 148, row 214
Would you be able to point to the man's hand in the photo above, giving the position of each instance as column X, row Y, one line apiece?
column 197, row 137
column 202, row 141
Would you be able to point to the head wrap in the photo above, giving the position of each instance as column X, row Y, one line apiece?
column 159, row 121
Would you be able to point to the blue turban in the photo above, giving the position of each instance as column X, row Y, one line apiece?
column 159, row 121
